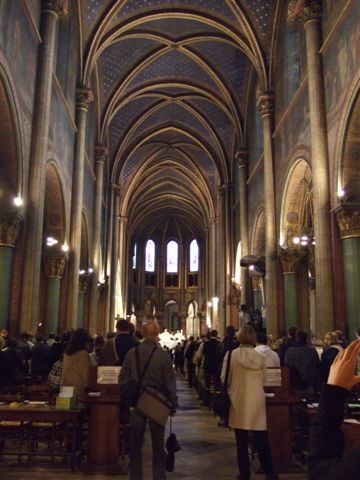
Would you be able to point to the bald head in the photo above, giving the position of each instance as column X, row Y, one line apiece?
column 150, row 330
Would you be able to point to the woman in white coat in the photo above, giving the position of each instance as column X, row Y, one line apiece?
column 248, row 409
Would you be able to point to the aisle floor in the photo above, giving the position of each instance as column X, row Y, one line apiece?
column 208, row 451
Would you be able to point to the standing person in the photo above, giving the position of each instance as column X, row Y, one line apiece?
column 327, row 460
column 331, row 349
column 288, row 342
column 190, row 350
column 211, row 366
column 115, row 349
column 272, row 359
column 159, row 374
column 248, row 410
column 76, row 363
column 304, row 365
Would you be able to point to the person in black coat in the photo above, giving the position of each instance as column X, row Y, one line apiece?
column 327, row 460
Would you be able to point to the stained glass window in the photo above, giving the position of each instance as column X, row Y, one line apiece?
column 194, row 256
column 172, row 257
column 150, row 256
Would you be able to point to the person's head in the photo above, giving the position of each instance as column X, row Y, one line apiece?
column 51, row 336
column 261, row 338
column 247, row 335
column 339, row 334
column 213, row 333
column 122, row 326
column 191, row 338
column 150, row 330
column 357, row 333
column 230, row 331
column 78, row 341
column 330, row 338
column 39, row 339
column 301, row 336
column 292, row 332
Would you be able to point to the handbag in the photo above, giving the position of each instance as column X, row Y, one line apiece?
column 221, row 402
column 130, row 391
column 172, row 446
column 154, row 405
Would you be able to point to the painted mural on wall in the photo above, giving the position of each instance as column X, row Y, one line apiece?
column 19, row 45
column 61, row 135
column 341, row 67
column 331, row 11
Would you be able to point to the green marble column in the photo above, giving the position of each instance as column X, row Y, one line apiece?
column 6, row 259
column 84, row 280
column 257, row 285
column 290, row 258
column 291, row 302
column 348, row 218
column 54, row 269
column 9, row 227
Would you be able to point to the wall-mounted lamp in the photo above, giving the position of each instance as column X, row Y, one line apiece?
column 51, row 241
column 18, row 201
column 254, row 263
column 65, row 247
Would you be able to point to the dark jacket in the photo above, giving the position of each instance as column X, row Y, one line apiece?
column 159, row 373
column 326, row 460
column 304, row 366
column 116, row 348
column 211, row 361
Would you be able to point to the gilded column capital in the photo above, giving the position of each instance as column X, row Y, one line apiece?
column 242, row 158
column 256, row 281
column 9, row 229
column 84, row 281
column 54, row 265
column 123, row 220
column 290, row 258
column 311, row 11
column 100, row 153
column 348, row 218
column 60, row 7
column 84, row 97
column 266, row 104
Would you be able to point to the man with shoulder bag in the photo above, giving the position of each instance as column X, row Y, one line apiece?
column 150, row 366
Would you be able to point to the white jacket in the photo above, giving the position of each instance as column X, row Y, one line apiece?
column 272, row 359
column 246, row 381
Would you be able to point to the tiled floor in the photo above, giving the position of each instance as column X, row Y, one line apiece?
column 207, row 453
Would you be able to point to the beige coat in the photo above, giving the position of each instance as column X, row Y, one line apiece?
column 246, row 381
column 75, row 371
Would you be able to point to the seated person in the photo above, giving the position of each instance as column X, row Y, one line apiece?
column 327, row 460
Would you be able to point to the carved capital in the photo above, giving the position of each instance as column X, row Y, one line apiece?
column 9, row 229
column 84, row 281
column 256, row 281
column 311, row 11
column 100, row 153
column 84, row 97
column 266, row 104
column 242, row 158
column 290, row 258
column 123, row 220
column 54, row 265
column 60, row 7
column 348, row 218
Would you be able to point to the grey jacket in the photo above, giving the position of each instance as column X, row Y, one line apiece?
column 159, row 373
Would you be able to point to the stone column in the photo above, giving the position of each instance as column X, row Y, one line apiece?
column 311, row 17
column 9, row 229
column 100, row 156
column 109, row 240
column 348, row 218
column 84, row 280
column 290, row 258
column 114, row 257
column 51, row 10
column 257, row 285
column 54, row 266
column 242, row 158
column 123, row 265
column 83, row 98
column 265, row 104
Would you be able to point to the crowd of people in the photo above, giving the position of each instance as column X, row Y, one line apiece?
column 65, row 360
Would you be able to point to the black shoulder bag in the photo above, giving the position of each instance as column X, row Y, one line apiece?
column 129, row 392
column 221, row 401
